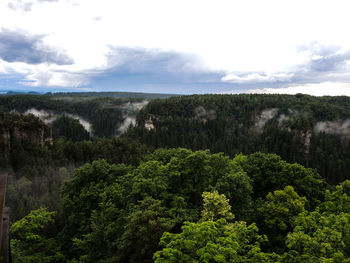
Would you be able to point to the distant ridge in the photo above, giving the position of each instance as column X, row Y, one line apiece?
column 15, row 92
column 113, row 94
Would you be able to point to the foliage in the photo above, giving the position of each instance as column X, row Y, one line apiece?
column 215, row 207
column 269, row 172
column 31, row 240
column 69, row 128
column 124, row 198
column 236, row 124
column 145, row 226
column 214, row 241
column 104, row 114
column 107, row 225
column 337, row 201
column 82, row 195
column 119, row 213
column 319, row 238
column 178, row 177
column 277, row 215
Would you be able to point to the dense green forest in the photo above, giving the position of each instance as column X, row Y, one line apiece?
column 184, row 206
column 100, row 116
column 313, row 131
column 37, row 165
column 210, row 178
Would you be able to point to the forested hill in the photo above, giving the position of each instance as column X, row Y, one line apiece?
column 313, row 131
column 100, row 116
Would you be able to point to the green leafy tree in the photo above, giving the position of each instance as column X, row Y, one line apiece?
column 82, row 195
column 107, row 226
column 32, row 241
column 149, row 179
column 337, row 201
column 319, row 238
column 269, row 172
column 143, row 230
column 214, row 241
column 237, row 187
column 216, row 206
column 277, row 215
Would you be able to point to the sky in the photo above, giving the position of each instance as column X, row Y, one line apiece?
column 177, row 47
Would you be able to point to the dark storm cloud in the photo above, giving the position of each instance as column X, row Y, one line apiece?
column 126, row 59
column 18, row 46
column 159, row 66
column 154, row 70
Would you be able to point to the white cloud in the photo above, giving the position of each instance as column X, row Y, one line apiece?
column 51, row 78
column 315, row 89
column 257, row 77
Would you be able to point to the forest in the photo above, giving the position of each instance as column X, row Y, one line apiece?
column 202, row 178
column 100, row 116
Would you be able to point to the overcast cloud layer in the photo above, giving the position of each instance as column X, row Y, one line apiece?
column 176, row 46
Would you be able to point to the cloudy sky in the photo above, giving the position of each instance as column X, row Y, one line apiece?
column 185, row 47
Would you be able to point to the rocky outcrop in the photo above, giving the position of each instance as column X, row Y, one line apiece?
column 41, row 135
column 14, row 128
column 149, row 124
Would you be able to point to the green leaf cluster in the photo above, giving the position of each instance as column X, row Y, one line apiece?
column 31, row 240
